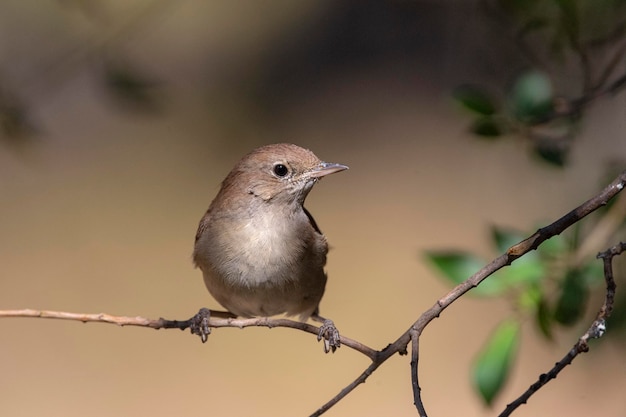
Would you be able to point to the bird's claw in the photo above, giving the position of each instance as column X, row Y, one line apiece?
column 199, row 324
column 330, row 334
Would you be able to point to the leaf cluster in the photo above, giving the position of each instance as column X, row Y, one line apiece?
column 542, row 286
column 550, row 35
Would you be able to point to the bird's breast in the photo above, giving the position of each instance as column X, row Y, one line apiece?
column 266, row 247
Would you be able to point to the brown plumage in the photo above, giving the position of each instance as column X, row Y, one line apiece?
column 260, row 251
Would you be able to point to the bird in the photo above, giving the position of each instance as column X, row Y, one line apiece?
column 260, row 250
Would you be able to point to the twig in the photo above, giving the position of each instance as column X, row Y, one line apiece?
column 417, row 399
column 596, row 330
column 591, row 90
column 617, row 58
column 514, row 252
column 221, row 319
column 570, row 22
column 217, row 319
column 602, row 231
column 517, row 36
column 347, row 390
column 572, row 107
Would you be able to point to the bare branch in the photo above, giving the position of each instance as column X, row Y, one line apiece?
column 602, row 231
column 514, row 252
column 612, row 65
column 399, row 346
column 417, row 399
column 567, row 108
column 98, row 317
column 596, row 330
column 348, row 389
column 217, row 319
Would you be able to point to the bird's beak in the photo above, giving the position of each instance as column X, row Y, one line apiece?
column 326, row 168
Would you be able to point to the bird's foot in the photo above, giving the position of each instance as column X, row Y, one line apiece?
column 330, row 334
column 199, row 324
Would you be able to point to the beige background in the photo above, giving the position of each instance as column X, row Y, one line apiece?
column 98, row 214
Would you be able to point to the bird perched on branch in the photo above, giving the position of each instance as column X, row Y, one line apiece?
column 259, row 249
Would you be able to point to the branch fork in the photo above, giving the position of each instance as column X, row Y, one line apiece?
column 205, row 320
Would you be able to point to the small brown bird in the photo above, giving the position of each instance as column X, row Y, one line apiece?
column 259, row 249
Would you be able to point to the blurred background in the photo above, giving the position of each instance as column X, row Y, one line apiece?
column 120, row 119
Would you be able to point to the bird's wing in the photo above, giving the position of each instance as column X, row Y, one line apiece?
column 312, row 220
column 204, row 222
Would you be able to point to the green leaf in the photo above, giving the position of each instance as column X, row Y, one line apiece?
column 593, row 272
column 491, row 368
column 543, row 318
column 130, row 87
column 525, row 270
column 531, row 96
column 455, row 266
column 553, row 247
column 574, row 294
column 552, row 151
column 505, row 238
column 529, row 298
column 617, row 321
column 487, row 127
column 475, row 99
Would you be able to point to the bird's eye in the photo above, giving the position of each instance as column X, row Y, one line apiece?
column 280, row 170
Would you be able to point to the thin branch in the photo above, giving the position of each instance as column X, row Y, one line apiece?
column 570, row 21
column 503, row 23
column 610, row 68
column 567, row 108
column 596, row 330
column 412, row 334
column 348, row 389
column 514, row 252
column 417, row 399
column 612, row 37
column 602, row 231
column 217, row 319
